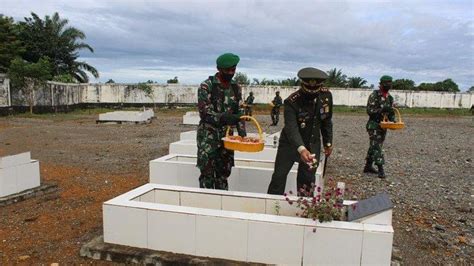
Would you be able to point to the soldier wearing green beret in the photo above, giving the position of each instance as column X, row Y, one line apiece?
column 219, row 100
column 249, row 104
column 308, row 116
column 379, row 104
column 275, row 114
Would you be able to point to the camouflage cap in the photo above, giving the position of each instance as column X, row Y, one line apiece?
column 385, row 78
column 312, row 73
column 227, row 60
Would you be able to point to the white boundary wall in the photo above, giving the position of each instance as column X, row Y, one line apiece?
column 240, row 226
column 63, row 94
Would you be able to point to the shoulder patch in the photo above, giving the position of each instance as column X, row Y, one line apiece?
column 294, row 96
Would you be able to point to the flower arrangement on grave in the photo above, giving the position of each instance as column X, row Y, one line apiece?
column 317, row 204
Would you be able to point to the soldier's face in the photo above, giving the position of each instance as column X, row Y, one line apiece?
column 312, row 84
column 386, row 85
column 227, row 73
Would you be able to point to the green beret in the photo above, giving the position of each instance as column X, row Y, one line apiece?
column 227, row 60
column 385, row 78
column 312, row 73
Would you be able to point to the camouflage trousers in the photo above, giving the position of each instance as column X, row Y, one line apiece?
column 275, row 114
column 214, row 161
column 248, row 110
column 375, row 152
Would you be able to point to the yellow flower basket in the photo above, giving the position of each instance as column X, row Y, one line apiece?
column 236, row 145
column 385, row 124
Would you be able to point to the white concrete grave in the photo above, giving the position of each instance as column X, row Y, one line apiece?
column 18, row 173
column 144, row 116
column 191, row 118
column 239, row 226
column 247, row 175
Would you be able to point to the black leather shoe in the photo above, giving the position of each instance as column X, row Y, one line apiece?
column 381, row 172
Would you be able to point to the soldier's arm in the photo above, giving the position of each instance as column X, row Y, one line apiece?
column 372, row 108
column 326, row 125
column 291, row 125
column 206, row 110
column 241, row 125
column 391, row 113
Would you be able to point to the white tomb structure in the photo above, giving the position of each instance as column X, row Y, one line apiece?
column 191, row 118
column 241, row 226
column 18, row 173
column 144, row 116
column 247, row 175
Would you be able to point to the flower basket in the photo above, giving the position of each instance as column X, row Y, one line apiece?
column 385, row 124
column 244, row 144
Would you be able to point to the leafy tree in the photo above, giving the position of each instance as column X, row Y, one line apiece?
column 52, row 37
column 336, row 78
column 241, row 78
column 255, row 82
column 10, row 45
column 471, row 88
column 28, row 77
column 109, row 81
column 445, row 85
column 403, row 84
column 290, row 82
column 148, row 90
column 65, row 78
column 172, row 81
column 356, row 82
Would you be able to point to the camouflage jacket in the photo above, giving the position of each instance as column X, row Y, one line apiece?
column 249, row 100
column 214, row 100
column 277, row 102
column 375, row 104
column 306, row 120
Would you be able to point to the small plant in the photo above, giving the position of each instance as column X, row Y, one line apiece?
column 316, row 204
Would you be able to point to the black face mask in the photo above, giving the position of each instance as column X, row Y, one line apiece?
column 386, row 87
column 227, row 77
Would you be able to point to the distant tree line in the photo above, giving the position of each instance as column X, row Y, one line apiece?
column 338, row 79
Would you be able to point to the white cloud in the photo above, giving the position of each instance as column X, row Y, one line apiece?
column 426, row 41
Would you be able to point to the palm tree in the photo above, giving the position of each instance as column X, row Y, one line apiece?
column 356, row 82
column 336, row 78
column 51, row 37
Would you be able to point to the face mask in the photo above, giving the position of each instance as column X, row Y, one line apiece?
column 227, row 77
column 386, row 87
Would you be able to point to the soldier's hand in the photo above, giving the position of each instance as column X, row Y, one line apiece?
column 306, row 156
column 327, row 151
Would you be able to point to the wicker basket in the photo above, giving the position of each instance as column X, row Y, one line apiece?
column 385, row 124
column 244, row 146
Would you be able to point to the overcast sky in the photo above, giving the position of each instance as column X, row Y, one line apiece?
column 426, row 41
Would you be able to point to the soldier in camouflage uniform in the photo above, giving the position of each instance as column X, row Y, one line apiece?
column 249, row 104
column 379, row 105
column 275, row 114
column 219, row 100
column 308, row 115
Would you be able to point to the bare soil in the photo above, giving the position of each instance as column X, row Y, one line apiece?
column 429, row 168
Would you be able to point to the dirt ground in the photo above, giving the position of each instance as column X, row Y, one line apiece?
column 429, row 168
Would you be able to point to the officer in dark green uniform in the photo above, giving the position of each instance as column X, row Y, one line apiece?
column 379, row 104
column 308, row 115
column 219, row 100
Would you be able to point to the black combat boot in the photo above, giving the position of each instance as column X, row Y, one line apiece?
column 369, row 168
column 381, row 172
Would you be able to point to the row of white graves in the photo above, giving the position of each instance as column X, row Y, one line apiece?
column 143, row 116
column 173, row 214
column 18, row 173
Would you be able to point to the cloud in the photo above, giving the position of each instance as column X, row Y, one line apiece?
column 426, row 41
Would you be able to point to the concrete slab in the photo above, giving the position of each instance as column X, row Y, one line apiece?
column 144, row 116
column 97, row 249
column 27, row 194
column 191, row 118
